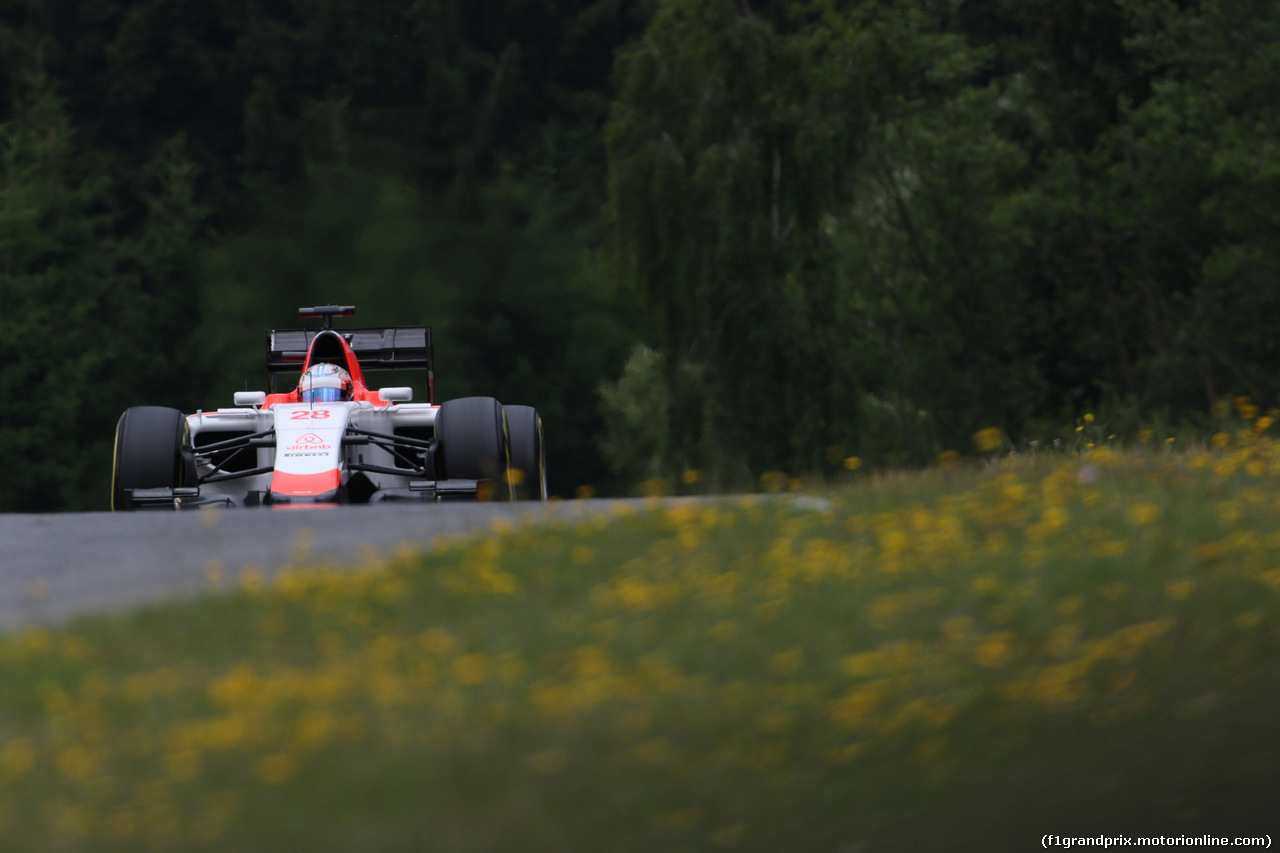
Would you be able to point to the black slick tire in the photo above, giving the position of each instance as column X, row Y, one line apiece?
column 528, row 455
column 151, row 452
column 474, row 444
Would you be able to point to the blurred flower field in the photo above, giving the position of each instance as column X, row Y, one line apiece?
column 963, row 658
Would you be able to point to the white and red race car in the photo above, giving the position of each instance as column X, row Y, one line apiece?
column 331, row 439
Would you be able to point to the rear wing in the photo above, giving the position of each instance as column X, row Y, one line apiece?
column 394, row 348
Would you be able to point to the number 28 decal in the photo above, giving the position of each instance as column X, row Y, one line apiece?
column 309, row 415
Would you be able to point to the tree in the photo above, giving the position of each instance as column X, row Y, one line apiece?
column 79, row 290
column 766, row 178
column 426, row 159
column 720, row 144
column 1201, row 160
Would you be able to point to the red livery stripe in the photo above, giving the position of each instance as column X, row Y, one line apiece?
column 284, row 483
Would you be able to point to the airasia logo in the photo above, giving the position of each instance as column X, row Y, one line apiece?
column 309, row 441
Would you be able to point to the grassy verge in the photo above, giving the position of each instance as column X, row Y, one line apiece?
column 961, row 659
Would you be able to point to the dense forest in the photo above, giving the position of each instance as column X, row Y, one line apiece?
column 726, row 235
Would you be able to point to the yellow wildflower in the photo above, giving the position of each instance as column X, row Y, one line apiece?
column 989, row 439
column 471, row 669
column 276, row 769
column 681, row 819
column 773, row 481
column 845, row 754
column 1142, row 514
column 17, row 758
column 994, row 649
column 1249, row 619
column 786, row 663
column 730, row 836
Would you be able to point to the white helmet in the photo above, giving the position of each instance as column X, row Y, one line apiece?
column 325, row 383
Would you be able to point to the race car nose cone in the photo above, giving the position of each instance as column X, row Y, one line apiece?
column 289, row 499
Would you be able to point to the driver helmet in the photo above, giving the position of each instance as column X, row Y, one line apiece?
column 324, row 383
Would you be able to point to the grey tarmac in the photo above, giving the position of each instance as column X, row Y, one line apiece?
column 55, row 567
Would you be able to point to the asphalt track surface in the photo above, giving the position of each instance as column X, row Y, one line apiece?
column 58, row 566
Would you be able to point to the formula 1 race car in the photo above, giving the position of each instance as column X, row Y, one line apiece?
column 331, row 439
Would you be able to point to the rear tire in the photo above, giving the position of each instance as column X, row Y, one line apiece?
column 528, row 455
column 153, row 445
column 474, row 444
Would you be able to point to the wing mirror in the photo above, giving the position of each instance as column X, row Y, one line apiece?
column 396, row 395
column 251, row 398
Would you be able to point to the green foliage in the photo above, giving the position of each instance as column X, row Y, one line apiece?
column 721, row 144
column 971, row 215
column 83, row 279
column 874, row 226
column 44, row 229
column 636, row 413
column 430, row 161
column 955, row 660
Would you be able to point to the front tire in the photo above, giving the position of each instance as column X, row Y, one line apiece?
column 152, row 452
column 474, row 444
column 528, row 455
